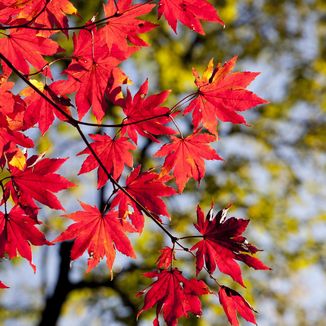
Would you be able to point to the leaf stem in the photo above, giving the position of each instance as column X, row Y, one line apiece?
column 176, row 125
column 190, row 237
column 119, row 125
column 47, row 65
column 5, row 178
column 3, row 197
column 184, row 100
column 106, row 206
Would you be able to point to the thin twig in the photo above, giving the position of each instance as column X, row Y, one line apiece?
column 4, row 200
column 191, row 236
column 119, row 125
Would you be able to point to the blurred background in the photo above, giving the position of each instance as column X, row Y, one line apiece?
column 273, row 173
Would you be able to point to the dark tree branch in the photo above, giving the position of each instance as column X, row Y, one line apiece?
column 54, row 303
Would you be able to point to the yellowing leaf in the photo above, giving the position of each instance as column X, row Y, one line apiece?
column 19, row 160
column 29, row 91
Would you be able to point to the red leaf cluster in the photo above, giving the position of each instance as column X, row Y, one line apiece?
column 44, row 13
column 222, row 243
column 92, row 86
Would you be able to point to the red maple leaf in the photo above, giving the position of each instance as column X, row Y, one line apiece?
column 148, row 112
column 12, row 112
column 48, row 13
column 189, row 13
column 165, row 259
column 100, row 234
column 233, row 303
column 40, row 110
column 8, row 137
column 174, row 295
column 114, row 154
column 3, row 286
column 220, row 94
column 8, row 10
column 123, row 23
column 185, row 156
column 146, row 188
column 90, row 72
column 8, row 102
column 10, row 125
column 37, row 182
column 17, row 232
column 23, row 45
column 223, row 243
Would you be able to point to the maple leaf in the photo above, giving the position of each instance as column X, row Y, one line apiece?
column 12, row 108
column 3, row 286
column 22, row 46
column 8, row 103
column 232, row 302
column 7, row 11
column 185, row 156
column 164, row 261
column 220, row 94
column 100, row 234
column 90, row 72
column 17, row 232
column 123, row 23
column 223, row 243
column 10, row 138
column 146, row 188
column 40, row 110
column 37, row 182
column 16, row 158
column 48, row 13
column 174, row 295
column 148, row 111
column 114, row 154
column 189, row 13
column 12, row 112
